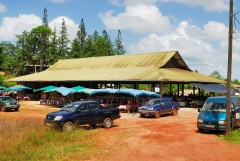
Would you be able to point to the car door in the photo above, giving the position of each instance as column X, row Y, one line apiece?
column 81, row 115
column 94, row 113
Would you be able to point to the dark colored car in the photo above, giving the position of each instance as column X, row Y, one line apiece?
column 8, row 103
column 82, row 112
column 158, row 106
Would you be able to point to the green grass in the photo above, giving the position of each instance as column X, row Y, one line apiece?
column 233, row 137
column 27, row 139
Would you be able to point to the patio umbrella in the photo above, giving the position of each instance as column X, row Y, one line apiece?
column 63, row 90
column 105, row 90
column 86, row 91
column 45, row 88
column 2, row 88
column 18, row 88
column 132, row 92
column 77, row 88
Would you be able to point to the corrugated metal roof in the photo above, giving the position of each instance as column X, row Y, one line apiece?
column 134, row 67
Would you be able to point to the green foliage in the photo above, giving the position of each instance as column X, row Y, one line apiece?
column 63, row 41
column 217, row 75
column 234, row 136
column 119, row 48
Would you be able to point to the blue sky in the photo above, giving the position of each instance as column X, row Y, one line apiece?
column 198, row 29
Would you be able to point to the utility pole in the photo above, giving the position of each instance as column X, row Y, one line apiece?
column 229, row 71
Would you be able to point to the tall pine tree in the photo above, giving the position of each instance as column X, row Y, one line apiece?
column 45, row 18
column 63, row 41
column 119, row 48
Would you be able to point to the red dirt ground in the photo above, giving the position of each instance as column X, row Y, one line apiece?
column 169, row 138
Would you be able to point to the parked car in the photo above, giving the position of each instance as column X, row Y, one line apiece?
column 8, row 103
column 159, row 106
column 82, row 112
column 213, row 115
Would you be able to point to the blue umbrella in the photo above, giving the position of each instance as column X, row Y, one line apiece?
column 105, row 90
column 63, row 90
column 86, row 91
column 18, row 88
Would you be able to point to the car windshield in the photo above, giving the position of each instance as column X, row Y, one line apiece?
column 153, row 102
column 69, row 107
column 213, row 106
column 6, row 99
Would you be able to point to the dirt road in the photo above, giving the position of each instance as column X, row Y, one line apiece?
column 174, row 138
column 169, row 138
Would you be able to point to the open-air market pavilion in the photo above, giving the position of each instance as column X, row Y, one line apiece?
column 155, row 69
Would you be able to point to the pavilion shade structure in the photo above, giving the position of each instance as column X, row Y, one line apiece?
column 161, row 66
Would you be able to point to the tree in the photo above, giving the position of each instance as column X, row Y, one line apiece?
column 8, row 57
column 107, row 44
column 75, row 49
column 26, row 49
column 217, row 75
column 119, row 48
column 53, row 48
column 45, row 18
column 81, row 34
column 63, row 41
column 41, row 35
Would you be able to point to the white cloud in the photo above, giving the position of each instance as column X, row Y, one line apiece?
column 200, row 50
column 57, row 1
column 139, row 18
column 2, row 8
column 211, row 6
column 72, row 27
column 12, row 26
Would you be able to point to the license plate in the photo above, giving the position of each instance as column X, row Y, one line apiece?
column 210, row 126
column 237, row 115
column 48, row 124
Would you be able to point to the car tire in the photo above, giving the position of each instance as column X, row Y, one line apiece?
column 142, row 115
column 174, row 111
column 68, row 126
column 200, row 130
column 157, row 114
column 17, row 109
column 3, row 109
column 107, row 123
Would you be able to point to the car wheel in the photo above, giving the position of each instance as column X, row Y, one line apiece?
column 142, row 115
column 68, row 126
column 174, row 111
column 17, row 109
column 93, row 126
column 157, row 114
column 107, row 123
column 200, row 130
column 3, row 109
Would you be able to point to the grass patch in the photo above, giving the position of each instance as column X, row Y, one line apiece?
column 27, row 139
column 234, row 136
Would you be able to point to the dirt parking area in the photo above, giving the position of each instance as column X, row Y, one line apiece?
column 169, row 138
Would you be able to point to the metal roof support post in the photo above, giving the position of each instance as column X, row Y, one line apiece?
column 153, row 87
column 182, row 91
column 161, row 89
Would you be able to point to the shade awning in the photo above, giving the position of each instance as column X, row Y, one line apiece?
column 216, row 88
